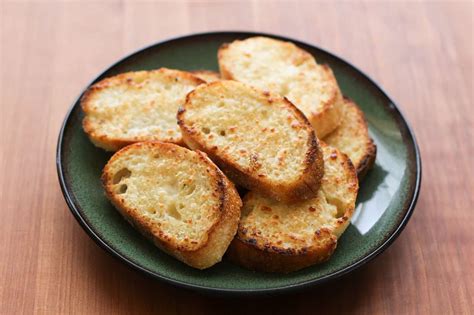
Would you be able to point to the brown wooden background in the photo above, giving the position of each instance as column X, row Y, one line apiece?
column 420, row 52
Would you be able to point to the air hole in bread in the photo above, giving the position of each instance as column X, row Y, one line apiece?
column 172, row 211
column 222, row 133
column 123, row 173
column 188, row 189
column 151, row 210
column 206, row 130
column 122, row 189
column 339, row 206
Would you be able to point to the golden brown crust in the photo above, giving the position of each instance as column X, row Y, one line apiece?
column 253, row 251
column 273, row 259
column 229, row 220
column 327, row 117
column 368, row 162
column 221, row 231
column 354, row 127
column 114, row 143
column 304, row 188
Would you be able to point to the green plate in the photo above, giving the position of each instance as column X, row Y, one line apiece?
column 386, row 200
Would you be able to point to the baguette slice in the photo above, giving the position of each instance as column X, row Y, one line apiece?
column 288, row 70
column 352, row 138
column 260, row 140
column 207, row 75
column 136, row 106
column 177, row 198
column 276, row 237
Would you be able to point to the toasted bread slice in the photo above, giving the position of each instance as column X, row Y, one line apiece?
column 207, row 75
column 136, row 106
column 260, row 140
column 288, row 70
column 352, row 138
column 277, row 237
column 176, row 197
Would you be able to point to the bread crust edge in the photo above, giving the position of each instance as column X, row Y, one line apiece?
column 368, row 161
column 325, row 120
column 304, row 188
column 116, row 143
column 329, row 118
column 205, row 254
column 272, row 258
column 251, row 257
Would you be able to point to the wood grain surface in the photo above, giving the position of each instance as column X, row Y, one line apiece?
column 420, row 52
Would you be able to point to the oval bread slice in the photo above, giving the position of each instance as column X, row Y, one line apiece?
column 288, row 70
column 136, row 106
column 207, row 75
column 260, row 140
column 176, row 197
column 277, row 237
column 352, row 138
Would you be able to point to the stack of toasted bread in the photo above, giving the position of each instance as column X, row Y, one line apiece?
column 273, row 122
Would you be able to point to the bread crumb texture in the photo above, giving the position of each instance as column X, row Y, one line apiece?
column 296, row 228
column 170, row 189
column 260, row 132
column 288, row 70
column 136, row 106
column 352, row 137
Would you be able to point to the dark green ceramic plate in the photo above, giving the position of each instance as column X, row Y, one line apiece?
column 386, row 200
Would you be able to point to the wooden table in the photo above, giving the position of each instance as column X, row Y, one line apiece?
column 421, row 53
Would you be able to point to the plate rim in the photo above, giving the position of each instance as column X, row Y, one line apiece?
column 70, row 199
